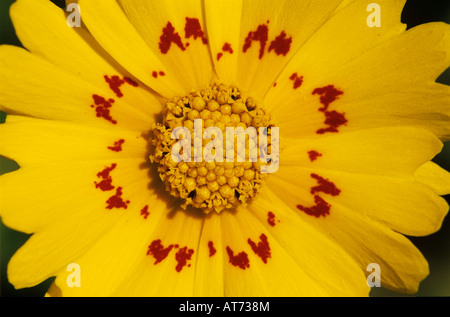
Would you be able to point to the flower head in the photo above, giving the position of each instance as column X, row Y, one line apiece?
column 349, row 115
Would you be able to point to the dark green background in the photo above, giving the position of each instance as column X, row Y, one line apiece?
column 435, row 247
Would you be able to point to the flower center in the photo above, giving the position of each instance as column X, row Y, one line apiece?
column 214, row 148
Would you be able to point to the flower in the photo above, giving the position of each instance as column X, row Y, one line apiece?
column 359, row 115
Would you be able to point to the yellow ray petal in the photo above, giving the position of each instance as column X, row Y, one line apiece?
column 209, row 271
column 394, row 151
column 33, row 198
column 73, row 49
column 366, row 240
column 290, row 259
column 110, row 27
column 114, row 256
column 176, row 35
column 270, row 33
column 390, row 84
column 55, row 142
column 435, row 177
column 85, row 200
column 223, row 21
column 167, row 264
column 55, row 94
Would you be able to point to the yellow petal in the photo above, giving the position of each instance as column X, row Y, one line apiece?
column 85, row 200
column 55, row 94
column 284, row 260
column 176, row 35
column 167, row 264
column 73, row 49
column 270, row 33
column 64, row 143
column 223, row 21
column 394, row 151
column 435, row 177
column 111, row 28
column 378, row 88
column 115, row 255
column 209, row 276
column 317, row 200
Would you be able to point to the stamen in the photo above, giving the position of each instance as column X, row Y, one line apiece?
column 201, row 177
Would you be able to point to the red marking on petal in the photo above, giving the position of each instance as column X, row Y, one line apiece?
column 144, row 212
column 117, row 146
column 261, row 36
column 262, row 249
column 182, row 256
column 155, row 74
column 102, row 108
column 321, row 208
column 281, row 45
column 168, row 37
column 325, row 186
column 240, row 260
column 328, row 94
column 313, row 155
column 115, row 82
column 298, row 81
column 157, row 250
column 271, row 220
column 211, row 248
column 161, row 73
column 106, row 183
column 274, row 84
column 116, row 200
column 333, row 119
column 193, row 29
column 227, row 48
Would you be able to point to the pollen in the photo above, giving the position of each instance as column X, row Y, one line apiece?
column 213, row 171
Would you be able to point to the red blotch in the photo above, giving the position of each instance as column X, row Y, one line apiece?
column 298, row 81
column 262, row 249
column 182, row 256
column 157, row 250
column 211, row 248
column 193, row 29
column 102, row 108
column 261, row 36
column 225, row 48
column 168, row 37
column 240, row 260
column 271, row 219
column 313, row 155
column 281, row 45
column 106, row 183
column 321, row 208
column 333, row 119
column 155, row 74
column 274, row 84
column 325, row 186
column 161, row 73
column 144, row 212
column 328, row 94
column 117, row 146
column 116, row 200
column 115, row 82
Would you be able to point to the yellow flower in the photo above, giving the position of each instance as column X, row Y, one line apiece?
column 359, row 116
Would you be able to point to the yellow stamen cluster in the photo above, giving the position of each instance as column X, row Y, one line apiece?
column 211, row 185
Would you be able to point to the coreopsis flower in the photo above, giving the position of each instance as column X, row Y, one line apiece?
column 348, row 113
